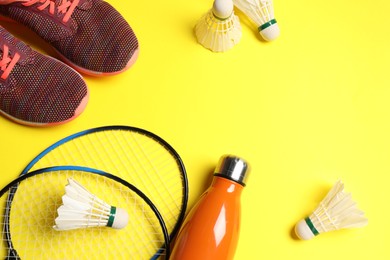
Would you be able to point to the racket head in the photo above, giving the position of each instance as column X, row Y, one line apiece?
column 136, row 155
column 28, row 223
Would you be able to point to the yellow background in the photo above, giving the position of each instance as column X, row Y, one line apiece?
column 305, row 110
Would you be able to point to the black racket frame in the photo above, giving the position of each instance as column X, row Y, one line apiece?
column 12, row 187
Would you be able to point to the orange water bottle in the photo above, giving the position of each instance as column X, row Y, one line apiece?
column 211, row 228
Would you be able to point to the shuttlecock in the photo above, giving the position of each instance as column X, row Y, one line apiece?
column 336, row 211
column 219, row 29
column 82, row 209
column 260, row 12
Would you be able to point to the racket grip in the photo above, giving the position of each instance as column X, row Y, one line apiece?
column 211, row 229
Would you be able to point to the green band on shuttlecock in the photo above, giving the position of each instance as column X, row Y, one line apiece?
column 111, row 217
column 221, row 19
column 311, row 226
column 266, row 25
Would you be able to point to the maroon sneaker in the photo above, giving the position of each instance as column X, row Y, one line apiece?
column 35, row 89
column 89, row 35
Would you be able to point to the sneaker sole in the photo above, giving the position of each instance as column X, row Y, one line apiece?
column 78, row 111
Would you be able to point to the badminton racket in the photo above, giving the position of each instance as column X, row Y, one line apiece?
column 138, row 156
column 30, row 233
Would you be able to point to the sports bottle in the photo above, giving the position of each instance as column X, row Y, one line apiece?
column 211, row 228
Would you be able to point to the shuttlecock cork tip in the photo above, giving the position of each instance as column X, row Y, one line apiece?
column 304, row 230
column 118, row 218
column 223, row 9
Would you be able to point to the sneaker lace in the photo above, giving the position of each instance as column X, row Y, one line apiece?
column 65, row 7
column 7, row 63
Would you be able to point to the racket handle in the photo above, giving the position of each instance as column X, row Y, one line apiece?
column 211, row 229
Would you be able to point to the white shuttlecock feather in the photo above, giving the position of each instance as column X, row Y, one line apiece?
column 82, row 209
column 261, row 12
column 336, row 211
column 219, row 29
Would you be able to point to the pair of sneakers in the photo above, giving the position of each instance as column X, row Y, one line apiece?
column 90, row 36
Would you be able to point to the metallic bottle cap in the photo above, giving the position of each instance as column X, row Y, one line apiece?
column 233, row 168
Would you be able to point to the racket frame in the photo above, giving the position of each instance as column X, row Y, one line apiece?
column 12, row 187
column 147, row 133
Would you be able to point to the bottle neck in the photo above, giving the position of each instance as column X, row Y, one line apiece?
column 227, row 185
